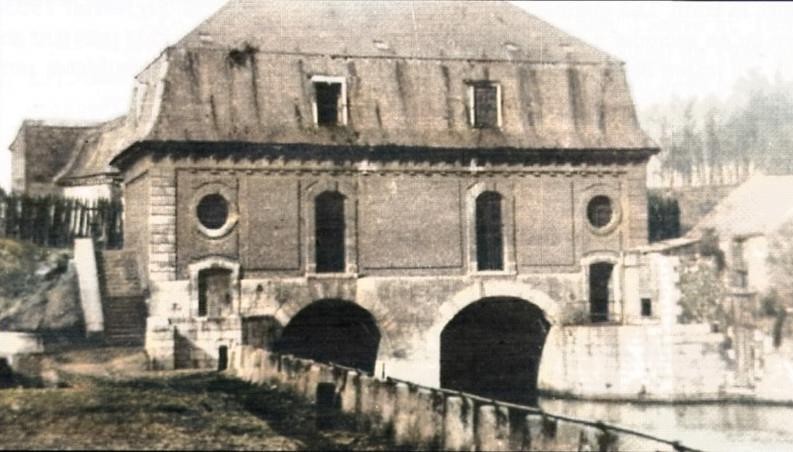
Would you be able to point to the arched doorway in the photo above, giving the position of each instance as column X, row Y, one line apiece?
column 493, row 348
column 333, row 331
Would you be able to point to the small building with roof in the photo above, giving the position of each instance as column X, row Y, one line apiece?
column 60, row 158
column 745, row 223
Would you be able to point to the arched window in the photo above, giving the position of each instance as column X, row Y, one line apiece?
column 489, row 235
column 329, row 223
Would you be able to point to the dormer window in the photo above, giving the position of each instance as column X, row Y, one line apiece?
column 330, row 101
column 485, row 105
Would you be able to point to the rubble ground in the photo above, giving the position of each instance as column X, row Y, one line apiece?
column 103, row 409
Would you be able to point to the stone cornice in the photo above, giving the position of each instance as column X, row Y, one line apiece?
column 358, row 159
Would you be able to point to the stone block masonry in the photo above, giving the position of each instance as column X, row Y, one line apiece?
column 162, row 225
column 423, row 418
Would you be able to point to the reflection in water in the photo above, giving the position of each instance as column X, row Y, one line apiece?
column 711, row 426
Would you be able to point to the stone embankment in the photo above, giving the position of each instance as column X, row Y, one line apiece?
column 427, row 418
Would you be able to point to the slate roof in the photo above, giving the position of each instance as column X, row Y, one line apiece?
column 93, row 151
column 47, row 146
column 758, row 206
column 244, row 75
column 413, row 29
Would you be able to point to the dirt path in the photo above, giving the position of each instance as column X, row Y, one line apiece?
column 111, row 403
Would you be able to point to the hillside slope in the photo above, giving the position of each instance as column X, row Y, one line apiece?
column 38, row 290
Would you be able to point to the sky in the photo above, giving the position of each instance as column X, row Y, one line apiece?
column 75, row 60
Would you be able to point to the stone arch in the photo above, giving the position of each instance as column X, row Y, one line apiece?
column 494, row 289
column 333, row 330
column 493, row 347
column 470, row 295
column 379, row 311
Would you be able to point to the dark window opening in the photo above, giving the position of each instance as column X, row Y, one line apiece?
column 489, row 236
column 493, row 348
column 329, row 218
column 599, row 211
column 223, row 358
column 599, row 291
column 213, row 211
column 485, row 106
column 647, row 307
column 214, row 292
column 327, row 99
column 334, row 331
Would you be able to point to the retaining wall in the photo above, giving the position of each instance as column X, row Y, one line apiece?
column 422, row 418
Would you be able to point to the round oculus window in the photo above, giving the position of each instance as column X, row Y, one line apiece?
column 213, row 211
column 599, row 211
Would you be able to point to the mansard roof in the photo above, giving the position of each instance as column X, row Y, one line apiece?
column 245, row 75
column 493, row 30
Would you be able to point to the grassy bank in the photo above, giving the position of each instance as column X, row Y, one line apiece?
column 167, row 411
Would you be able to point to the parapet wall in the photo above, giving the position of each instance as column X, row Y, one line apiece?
column 421, row 417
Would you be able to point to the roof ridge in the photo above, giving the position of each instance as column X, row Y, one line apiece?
column 440, row 28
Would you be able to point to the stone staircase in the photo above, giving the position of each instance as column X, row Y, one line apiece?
column 123, row 304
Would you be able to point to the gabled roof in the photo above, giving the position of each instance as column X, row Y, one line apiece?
column 93, row 152
column 758, row 206
column 47, row 146
column 492, row 30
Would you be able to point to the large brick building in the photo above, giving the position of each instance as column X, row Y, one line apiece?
column 429, row 190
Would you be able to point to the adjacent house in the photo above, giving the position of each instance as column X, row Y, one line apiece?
column 56, row 158
column 745, row 223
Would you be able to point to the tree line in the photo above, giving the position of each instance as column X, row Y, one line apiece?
column 712, row 141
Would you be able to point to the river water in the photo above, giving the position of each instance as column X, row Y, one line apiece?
column 705, row 426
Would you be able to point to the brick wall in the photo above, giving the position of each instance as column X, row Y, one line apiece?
column 405, row 223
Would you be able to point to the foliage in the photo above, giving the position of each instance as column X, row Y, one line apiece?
column 18, row 262
column 709, row 247
column 715, row 142
column 701, row 292
column 780, row 262
column 663, row 217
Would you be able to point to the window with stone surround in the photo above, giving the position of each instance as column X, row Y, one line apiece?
column 329, row 230
column 647, row 307
column 214, row 292
column 330, row 101
column 213, row 211
column 600, row 291
column 485, row 105
column 489, row 232
column 600, row 211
